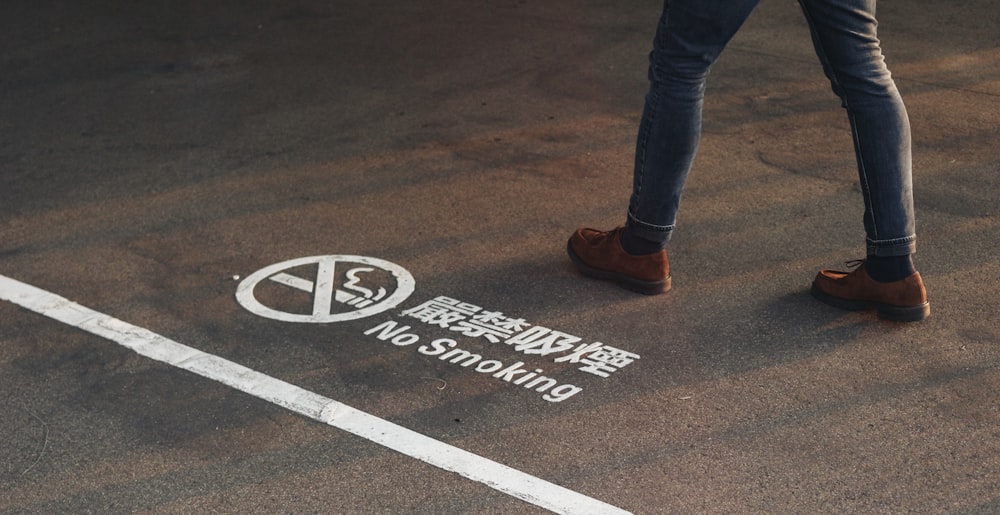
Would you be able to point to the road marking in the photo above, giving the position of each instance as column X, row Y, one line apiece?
column 295, row 282
column 304, row 402
column 361, row 300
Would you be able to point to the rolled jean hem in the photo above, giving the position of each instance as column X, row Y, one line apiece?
column 889, row 248
column 647, row 231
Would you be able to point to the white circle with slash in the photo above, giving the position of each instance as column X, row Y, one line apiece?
column 344, row 287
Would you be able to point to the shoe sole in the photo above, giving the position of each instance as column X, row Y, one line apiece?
column 884, row 311
column 623, row 280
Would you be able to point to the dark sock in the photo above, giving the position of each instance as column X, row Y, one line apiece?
column 886, row 269
column 638, row 246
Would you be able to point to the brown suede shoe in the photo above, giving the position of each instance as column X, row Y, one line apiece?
column 600, row 254
column 903, row 301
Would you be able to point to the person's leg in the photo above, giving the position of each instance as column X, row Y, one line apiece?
column 844, row 35
column 845, row 38
column 689, row 38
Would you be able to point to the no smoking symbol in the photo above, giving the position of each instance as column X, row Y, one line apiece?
column 343, row 287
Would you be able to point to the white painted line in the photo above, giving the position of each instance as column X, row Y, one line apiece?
column 147, row 343
column 323, row 296
column 295, row 282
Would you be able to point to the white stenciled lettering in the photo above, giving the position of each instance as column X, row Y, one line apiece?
column 447, row 350
column 543, row 341
column 461, row 357
column 388, row 331
column 442, row 311
column 562, row 392
column 599, row 359
column 510, row 372
column 488, row 366
column 474, row 321
column 527, row 376
column 437, row 347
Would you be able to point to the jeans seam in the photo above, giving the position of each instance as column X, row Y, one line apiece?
column 863, row 173
column 645, row 130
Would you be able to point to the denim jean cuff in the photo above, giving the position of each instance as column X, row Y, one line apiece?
column 889, row 248
column 656, row 233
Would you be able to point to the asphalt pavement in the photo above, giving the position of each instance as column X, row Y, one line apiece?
column 309, row 257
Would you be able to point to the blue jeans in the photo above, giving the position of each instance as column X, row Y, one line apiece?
column 690, row 36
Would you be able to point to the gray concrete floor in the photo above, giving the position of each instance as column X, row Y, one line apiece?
column 153, row 152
